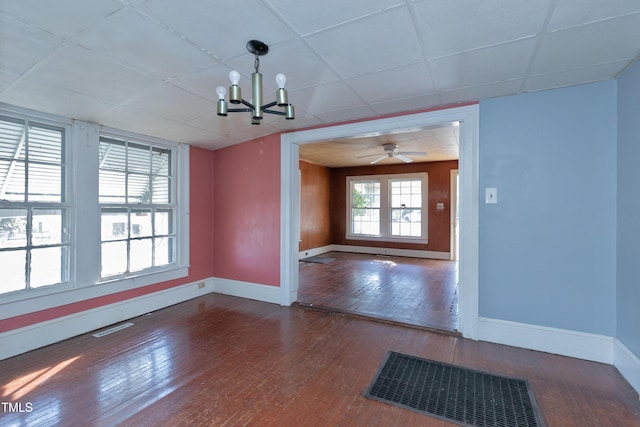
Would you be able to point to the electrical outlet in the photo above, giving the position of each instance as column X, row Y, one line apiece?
column 201, row 285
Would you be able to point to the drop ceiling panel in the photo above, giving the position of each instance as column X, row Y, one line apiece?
column 565, row 78
column 327, row 13
column 447, row 30
column 145, row 46
column 392, row 84
column 81, row 70
column 407, row 104
column 584, row 45
column 569, row 13
column 332, row 96
column 477, row 67
column 21, row 46
column 368, row 45
column 171, row 102
column 63, row 18
column 220, row 27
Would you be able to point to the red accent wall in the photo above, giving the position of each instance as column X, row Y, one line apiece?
column 246, row 219
column 201, row 249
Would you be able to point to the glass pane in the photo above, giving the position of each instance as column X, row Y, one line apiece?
column 141, row 254
column 139, row 158
column 138, row 187
column 13, row 270
column 161, row 189
column 112, row 154
column 365, row 221
column 141, row 223
column 112, row 187
column 408, row 224
column 164, row 250
column 13, row 228
column 114, row 224
column 164, row 222
column 12, row 180
column 45, row 183
column 45, row 145
column 12, row 138
column 114, row 258
column 48, row 227
column 48, row 266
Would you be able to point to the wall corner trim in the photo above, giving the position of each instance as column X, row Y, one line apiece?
column 627, row 363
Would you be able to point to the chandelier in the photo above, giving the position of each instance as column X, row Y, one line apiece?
column 255, row 107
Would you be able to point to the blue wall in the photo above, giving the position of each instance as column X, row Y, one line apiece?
column 548, row 248
column 628, row 277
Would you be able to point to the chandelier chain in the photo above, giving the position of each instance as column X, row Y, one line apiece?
column 256, row 63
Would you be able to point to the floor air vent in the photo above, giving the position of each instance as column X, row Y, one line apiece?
column 112, row 330
column 464, row 396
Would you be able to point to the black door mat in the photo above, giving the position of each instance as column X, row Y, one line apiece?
column 464, row 396
column 318, row 259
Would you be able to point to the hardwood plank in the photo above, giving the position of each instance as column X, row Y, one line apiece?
column 224, row 361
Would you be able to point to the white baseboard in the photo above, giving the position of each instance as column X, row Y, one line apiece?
column 598, row 348
column 315, row 251
column 29, row 338
column 391, row 251
column 248, row 290
column 627, row 363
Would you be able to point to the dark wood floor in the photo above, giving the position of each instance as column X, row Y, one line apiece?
column 224, row 361
column 415, row 291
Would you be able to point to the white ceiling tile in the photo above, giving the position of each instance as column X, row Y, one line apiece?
column 222, row 27
column 145, row 45
column 171, row 102
column 38, row 96
column 403, row 82
column 336, row 116
column 79, row 69
column 407, row 104
column 328, row 13
column 585, row 45
column 222, row 126
column 333, row 96
column 217, row 143
column 63, row 18
column 296, row 60
column 21, row 46
column 6, row 79
column 372, row 44
column 204, row 82
column 183, row 134
column 575, row 76
column 478, row 67
column 477, row 93
column 447, row 29
column 120, row 118
column 569, row 13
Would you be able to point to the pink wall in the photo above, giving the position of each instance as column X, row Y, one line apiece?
column 246, row 220
column 201, row 249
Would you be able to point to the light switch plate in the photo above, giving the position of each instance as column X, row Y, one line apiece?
column 491, row 195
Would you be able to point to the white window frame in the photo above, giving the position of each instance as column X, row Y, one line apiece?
column 385, row 208
column 81, row 186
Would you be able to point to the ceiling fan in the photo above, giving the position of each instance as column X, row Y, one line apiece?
column 391, row 150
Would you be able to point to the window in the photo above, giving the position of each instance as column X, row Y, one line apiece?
column 34, row 215
column 387, row 207
column 137, row 206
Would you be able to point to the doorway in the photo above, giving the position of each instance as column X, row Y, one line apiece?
column 468, row 117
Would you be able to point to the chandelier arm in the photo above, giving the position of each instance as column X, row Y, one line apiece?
column 240, row 110
column 279, row 113
column 269, row 105
column 248, row 104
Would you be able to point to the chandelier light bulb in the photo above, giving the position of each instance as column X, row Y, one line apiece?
column 281, row 79
column 234, row 76
column 221, row 91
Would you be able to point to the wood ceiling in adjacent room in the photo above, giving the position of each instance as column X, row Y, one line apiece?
column 439, row 143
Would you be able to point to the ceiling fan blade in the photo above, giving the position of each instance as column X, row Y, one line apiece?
column 413, row 153
column 403, row 158
column 368, row 155
column 378, row 159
